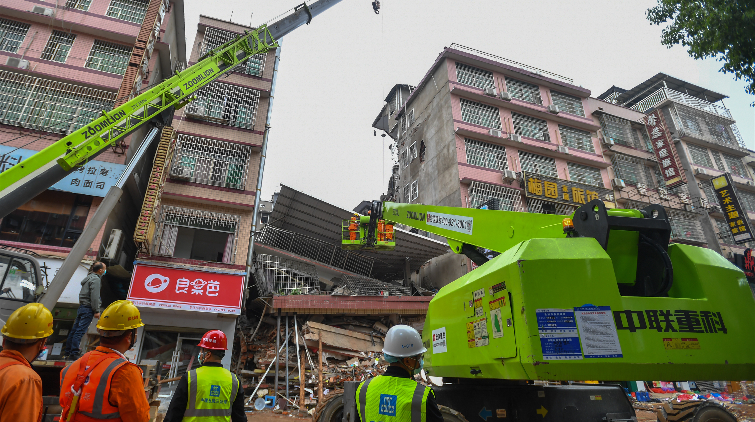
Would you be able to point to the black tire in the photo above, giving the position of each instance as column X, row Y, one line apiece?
column 450, row 415
column 713, row 414
column 694, row 411
column 332, row 411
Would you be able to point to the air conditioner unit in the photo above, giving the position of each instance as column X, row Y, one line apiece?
column 490, row 91
column 562, row 149
column 42, row 10
column 509, row 176
column 16, row 62
column 701, row 172
column 608, row 141
column 714, row 208
column 553, row 109
column 514, row 137
column 495, row 132
column 113, row 244
column 618, row 183
column 505, row 96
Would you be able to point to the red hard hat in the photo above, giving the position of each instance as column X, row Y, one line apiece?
column 214, row 340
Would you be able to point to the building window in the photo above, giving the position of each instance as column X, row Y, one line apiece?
column 486, row 155
column 494, row 197
column 534, row 163
column 480, row 114
column 620, row 131
column 210, row 162
column 631, row 170
column 12, row 34
column 413, row 152
column 50, row 106
column 747, row 199
column 108, row 57
column 196, row 234
column 724, row 232
column 718, row 160
column 523, row 91
column 52, row 218
column 128, row 10
column 585, row 174
column 58, row 46
column 568, row 103
column 685, row 226
column 78, row 4
column 473, row 76
column 404, row 159
column 575, row 138
column 226, row 104
column 422, row 151
column 408, row 193
column 736, row 166
column 414, row 191
column 699, row 155
column 214, row 38
column 530, row 127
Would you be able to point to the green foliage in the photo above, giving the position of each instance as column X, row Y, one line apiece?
column 724, row 29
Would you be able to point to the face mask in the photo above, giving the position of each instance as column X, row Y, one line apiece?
column 104, row 272
column 419, row 368
column 133, row 341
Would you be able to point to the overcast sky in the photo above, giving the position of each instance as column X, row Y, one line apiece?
column 335, row 73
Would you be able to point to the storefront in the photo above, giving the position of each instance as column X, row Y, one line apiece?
column 550, row 195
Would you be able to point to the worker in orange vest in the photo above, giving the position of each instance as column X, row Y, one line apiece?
column 381, row 231
column 353, row 227
column 103, row 384
column 24, row 337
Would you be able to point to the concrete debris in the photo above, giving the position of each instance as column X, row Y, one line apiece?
column 349, row 285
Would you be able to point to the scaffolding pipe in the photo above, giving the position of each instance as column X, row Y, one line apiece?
column 277, row 350
column 287, row 357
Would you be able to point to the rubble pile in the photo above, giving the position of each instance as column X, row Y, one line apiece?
column 349, row 285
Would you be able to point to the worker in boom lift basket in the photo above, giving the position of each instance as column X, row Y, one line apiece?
column 24, row 337
column 395, row 396
column 353, row 227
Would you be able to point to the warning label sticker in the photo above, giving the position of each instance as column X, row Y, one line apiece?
column 598, row 332
column 439, row 340
column 559, row 338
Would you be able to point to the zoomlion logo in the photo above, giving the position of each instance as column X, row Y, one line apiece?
column 152, row 287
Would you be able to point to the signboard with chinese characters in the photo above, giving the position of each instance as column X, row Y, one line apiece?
column 94, row 178
column 562, row 191
column 736, row 218
column 177, row 288
column 665, row 151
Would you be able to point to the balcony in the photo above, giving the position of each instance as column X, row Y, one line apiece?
column 664, row 94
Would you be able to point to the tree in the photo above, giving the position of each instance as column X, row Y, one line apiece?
column 724, row 29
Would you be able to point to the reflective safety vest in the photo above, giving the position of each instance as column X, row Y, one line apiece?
column 212, row 391
column 93, row 402
column 392, row 399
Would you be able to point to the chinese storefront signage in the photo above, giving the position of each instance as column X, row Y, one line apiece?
column 173, row 288
column 93, row 178
column 664, row 149
column 562, row 191
column 736, row 219
column 747, row 263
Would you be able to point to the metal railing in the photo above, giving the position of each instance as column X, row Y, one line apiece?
column 512, row 63
column 664, row 93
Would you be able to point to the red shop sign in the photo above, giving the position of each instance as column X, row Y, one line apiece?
column 170, row 288
column 665, row 151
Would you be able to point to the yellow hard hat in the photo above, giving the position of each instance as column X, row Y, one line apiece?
column 31, row 321
column 120, row 315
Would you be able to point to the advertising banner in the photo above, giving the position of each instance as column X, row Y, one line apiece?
column 736, row 218
column 665, row 151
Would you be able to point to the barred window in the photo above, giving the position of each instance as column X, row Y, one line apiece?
column 620, row 131
column 736, row 166
column 480, row 114
column 51, row 106
column 12, row 34
column 568, row 103
column 78, row 4
column 699, row 155
column 718, row 160
column 575, row 138
column 108, row 57
column 128, row 10
column 494, row 197
column 631, row 170
column 534, row 163
column 214, row 38
column 585, row 174
column 707, row 188
column 210, row 162
column 724, row 233
column 226, row 104
column 539, row 206
column 58, row 46
column 408, row 193
column 197, row 234
column 685, row 226
column 473, row 76
column 645, row 140
column 415, row 191
column 524, row 91
column 747, row 199
column 485, row 155
column 530, row 127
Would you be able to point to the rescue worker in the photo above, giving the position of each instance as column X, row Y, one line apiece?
column 395, row 396
column 89, row 308
column 353, row 227
column 103, row 384
column 210, row 392
column 24, row 337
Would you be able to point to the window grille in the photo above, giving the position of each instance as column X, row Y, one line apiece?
column 539, row 206
column 719, row 162
column 128, row 10
column 708, row 127
column 747, row 199
column 12, row 34
column 496, row 197
column 690, row 123
column 408, row 193
column 724, row 233
column 50, row 106
column 534, row 163
column 575, row 138
column 685, row 226
column 108, row 57
column 735, row 165
column 485, row 155
column 707, row 188
column 405, row 158
column 699, row 155
column 631, row 170
column 620, row 131
column 661, row 182
column 413, row 152
column 214, row 38
column 648, row 146
column 568, row 103
column 585, row 174
column 473, row 76
column 415, row 191
column 58, row 46
column 281, row 276
column 530, row 127
column 226, row 104
column 78, row 4
column 523, row 91
column 210, row 162
column 173, row 217
column 480, row 114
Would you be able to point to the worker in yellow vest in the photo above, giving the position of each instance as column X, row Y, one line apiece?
column 210, row 392
column 395, row 396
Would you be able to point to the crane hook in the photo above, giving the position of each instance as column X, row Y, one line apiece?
column 376, row 7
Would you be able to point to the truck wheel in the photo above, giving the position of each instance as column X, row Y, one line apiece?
column 694, row 411
column 450, row 415
column 331, row 409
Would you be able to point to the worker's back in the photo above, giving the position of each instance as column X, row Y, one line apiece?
column 20, row 387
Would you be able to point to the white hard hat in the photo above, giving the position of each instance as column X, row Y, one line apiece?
column 403, row 341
